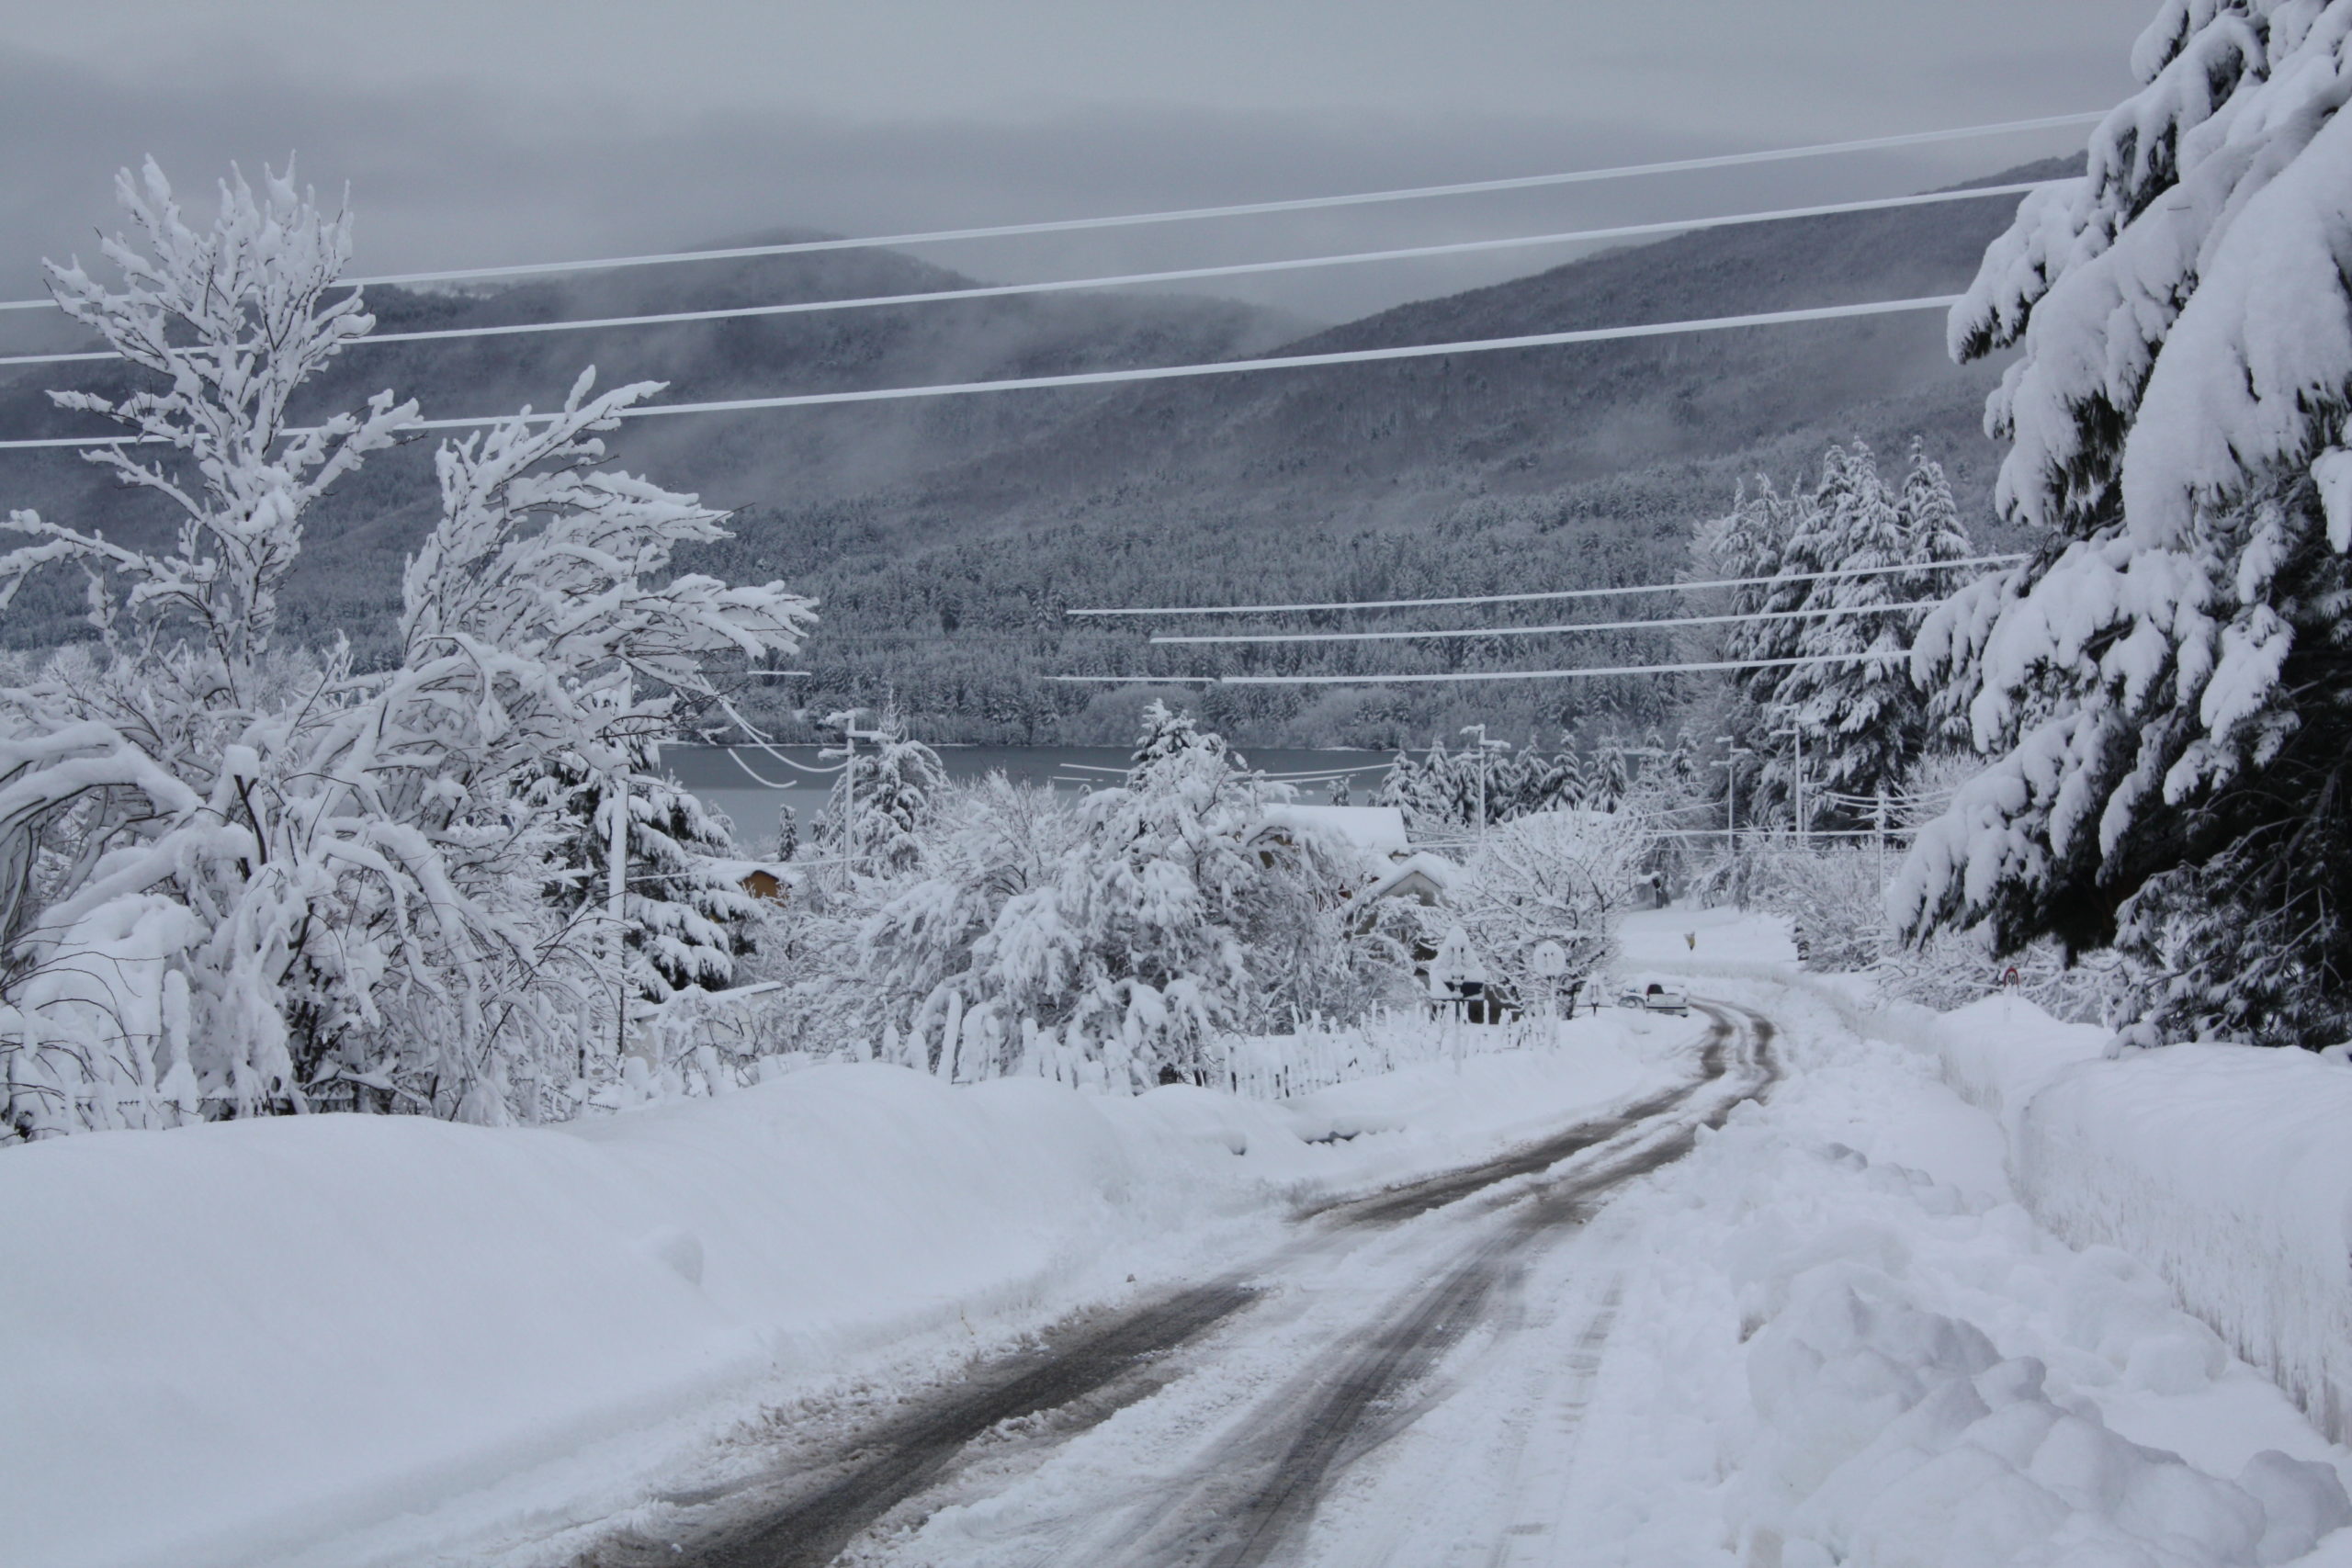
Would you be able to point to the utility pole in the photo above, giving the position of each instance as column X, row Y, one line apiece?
column 1730, row 765
column 1804, row 831
column 851, row 736
column 1486, row 748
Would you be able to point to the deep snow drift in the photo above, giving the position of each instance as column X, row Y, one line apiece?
column 228, row 1342
column 2224, row 1167
column 1846, row 1342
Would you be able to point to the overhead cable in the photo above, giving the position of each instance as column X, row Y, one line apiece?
column 1554, row 593
column 1150, row 372
column 1237, row 209
column 1456, row 676
column 1133, row 279
column 1823, row 612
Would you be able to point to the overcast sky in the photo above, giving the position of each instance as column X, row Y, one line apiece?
column 485, row 131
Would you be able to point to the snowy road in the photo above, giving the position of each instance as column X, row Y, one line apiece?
column 1401, row 1383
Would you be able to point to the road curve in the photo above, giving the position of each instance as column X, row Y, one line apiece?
column 1245, row 1502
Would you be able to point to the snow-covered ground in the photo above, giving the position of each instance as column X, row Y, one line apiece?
column 1830, row 1333
column 421, row 1337
column 1842, row 1340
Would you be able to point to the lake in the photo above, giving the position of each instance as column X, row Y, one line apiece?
column 749, row 783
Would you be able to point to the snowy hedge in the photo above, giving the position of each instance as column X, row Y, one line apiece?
column 2224, row 1166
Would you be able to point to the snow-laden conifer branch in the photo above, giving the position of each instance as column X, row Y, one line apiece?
column 2164, row 686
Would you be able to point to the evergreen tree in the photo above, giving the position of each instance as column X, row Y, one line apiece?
column 1861, row 717
column 685, row 916
column 1754, row 541
column 2165, row 688
column 787, row 832
column 883, row 797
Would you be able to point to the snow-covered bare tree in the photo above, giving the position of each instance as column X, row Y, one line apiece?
column 1173, row 910
column 236, row 877
column 1560, row 876
column 2168, row 685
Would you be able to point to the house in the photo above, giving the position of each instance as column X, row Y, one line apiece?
column 771, row 880
column 1376, row 831
column 1422, row 875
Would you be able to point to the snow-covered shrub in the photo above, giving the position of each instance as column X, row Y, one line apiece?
column 1125, row 933
column 236, row 877
column 1835, row 900
column 1559, row 876
column 2166, row 685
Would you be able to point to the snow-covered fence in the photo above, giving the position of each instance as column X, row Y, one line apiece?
column 1320, row 1054
column 2224, row 1167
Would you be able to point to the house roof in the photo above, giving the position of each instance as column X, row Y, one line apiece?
column 1379, row 830
column 1433, row 868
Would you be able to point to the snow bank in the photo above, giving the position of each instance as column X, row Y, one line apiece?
column 2224, row 1167
column 2001, row 1051
column 231, row 1342
column 1852, row 1345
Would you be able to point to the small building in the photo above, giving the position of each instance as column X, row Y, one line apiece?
column 1422, row 875
column 1378, row 831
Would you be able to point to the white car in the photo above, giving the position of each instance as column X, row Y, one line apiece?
column 1654, row 996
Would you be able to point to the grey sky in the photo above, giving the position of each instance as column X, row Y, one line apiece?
column 487, row 132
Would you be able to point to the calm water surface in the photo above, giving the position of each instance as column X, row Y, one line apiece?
column 749, row 784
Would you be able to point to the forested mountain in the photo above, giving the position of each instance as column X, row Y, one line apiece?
column 945, row 537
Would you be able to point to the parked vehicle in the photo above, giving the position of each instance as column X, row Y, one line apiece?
column 1654, row 996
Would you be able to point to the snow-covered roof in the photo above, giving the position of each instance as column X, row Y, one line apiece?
column 1378, row 829
column 1435, row 868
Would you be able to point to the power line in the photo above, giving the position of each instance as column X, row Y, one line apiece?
column 1818, row 613
column 1467, row 675
column 1152, row 373
column 1134, row 279
column 1239, row 209
column 1556, row 593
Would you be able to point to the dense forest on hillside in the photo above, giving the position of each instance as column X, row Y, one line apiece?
column 946, row 538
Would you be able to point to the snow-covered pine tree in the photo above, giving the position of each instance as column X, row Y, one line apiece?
column 1861, row 718
column 1932, row 518
column 1428, row 790
column 1753, row 541
column 787, row 832
column 686, row 915
column 1166, row 731
column 1612, row 778
column 1571, row 786
column 2166, row 687
column 883, row 798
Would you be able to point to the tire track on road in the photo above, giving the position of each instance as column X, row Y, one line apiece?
column 1313, row 1431
column 805, row 1515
